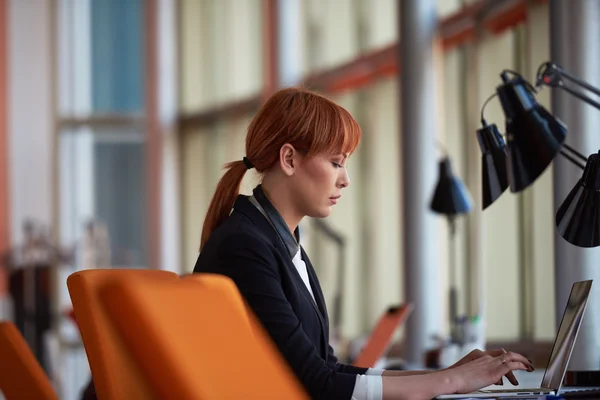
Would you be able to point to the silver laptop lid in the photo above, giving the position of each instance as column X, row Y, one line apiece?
column 566, row 336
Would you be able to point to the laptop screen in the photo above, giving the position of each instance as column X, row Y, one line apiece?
column 567, row 333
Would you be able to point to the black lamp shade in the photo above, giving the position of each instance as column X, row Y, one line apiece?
column 451, row 197
column 493, row 164
column 578, row 217
column 533, row 135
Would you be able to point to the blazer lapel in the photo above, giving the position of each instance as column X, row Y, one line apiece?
column 302, row 286
column 316, row 287
column 260, row 210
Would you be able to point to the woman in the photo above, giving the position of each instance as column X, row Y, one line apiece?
column 300, row 143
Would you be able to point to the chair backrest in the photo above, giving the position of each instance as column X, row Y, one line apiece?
column 237, row 301
column 21, row 375
column 115, row 374
column 195, row 340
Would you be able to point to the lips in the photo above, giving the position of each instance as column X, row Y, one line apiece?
column 334, row 199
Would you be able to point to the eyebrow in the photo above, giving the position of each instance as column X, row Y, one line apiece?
column 344, row 156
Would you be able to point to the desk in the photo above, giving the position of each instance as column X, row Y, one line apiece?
column 534, row 379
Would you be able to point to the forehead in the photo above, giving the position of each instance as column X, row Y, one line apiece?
column 338, row 154
column 335, row 156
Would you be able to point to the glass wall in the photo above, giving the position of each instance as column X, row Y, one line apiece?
column 101, row 94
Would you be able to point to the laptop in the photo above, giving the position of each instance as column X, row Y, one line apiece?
column 559, row 357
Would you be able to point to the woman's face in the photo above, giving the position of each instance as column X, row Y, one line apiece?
column 318, row 182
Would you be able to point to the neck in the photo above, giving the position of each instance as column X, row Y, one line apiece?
column 282, row 201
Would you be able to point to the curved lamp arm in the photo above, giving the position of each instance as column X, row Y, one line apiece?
column 571, row 157
column 550, row 74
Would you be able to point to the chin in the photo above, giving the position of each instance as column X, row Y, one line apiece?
column 322, row 213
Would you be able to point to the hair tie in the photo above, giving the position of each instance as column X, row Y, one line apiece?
column 247, row 163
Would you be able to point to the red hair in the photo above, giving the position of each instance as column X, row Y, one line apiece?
column 308, row 121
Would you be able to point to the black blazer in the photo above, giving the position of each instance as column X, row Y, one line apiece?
column 254, row 247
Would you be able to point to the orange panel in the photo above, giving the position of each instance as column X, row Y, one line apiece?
column 381, row 337
column 270, row 52
column 458, row 38
column 507, row 19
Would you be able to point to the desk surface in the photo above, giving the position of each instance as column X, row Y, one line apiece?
column 529, row 380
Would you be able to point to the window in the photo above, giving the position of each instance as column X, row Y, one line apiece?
column 101, row 115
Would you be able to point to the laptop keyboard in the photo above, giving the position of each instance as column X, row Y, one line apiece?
column 524, row 390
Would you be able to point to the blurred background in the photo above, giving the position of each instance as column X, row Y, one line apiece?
column 117, row 116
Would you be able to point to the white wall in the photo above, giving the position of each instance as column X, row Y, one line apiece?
column 195, row 194
column 74, row 99
column 383, row 204
column 170, row 238
column 452, row 131
column 30, row 114
column 501, row 225
column 541, row 209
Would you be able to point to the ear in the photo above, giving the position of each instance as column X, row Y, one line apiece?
column 287, row 159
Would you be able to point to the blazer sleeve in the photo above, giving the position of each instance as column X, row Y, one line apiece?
column 345, row 368
column 252, row 265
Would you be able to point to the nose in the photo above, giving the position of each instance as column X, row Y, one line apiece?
column 344, row 178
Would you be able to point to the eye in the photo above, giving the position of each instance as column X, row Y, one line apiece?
column 337, row 165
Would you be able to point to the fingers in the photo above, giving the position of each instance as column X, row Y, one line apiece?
column 512, row 379
column 474, row 354
column 513, row 365
column 478, row 353
column 520, row 358
column 512, row 361
column 510, row 356
column 496, row 352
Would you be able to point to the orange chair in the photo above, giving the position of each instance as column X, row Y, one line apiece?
column 115, row 374
column 21, row 376
column 193, row 340
column 241, row 307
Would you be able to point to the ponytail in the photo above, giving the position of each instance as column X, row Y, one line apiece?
column 222, row 202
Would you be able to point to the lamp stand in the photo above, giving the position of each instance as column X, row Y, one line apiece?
column 453, row 293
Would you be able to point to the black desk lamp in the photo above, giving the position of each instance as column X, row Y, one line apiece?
column 493, row 163
column 534, row 137
column 451, row 198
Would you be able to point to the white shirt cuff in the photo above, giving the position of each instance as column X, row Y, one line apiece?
column 368, row 387
column 374, row 371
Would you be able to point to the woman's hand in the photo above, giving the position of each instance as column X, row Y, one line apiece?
column 484, row 370
column 475, row 354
